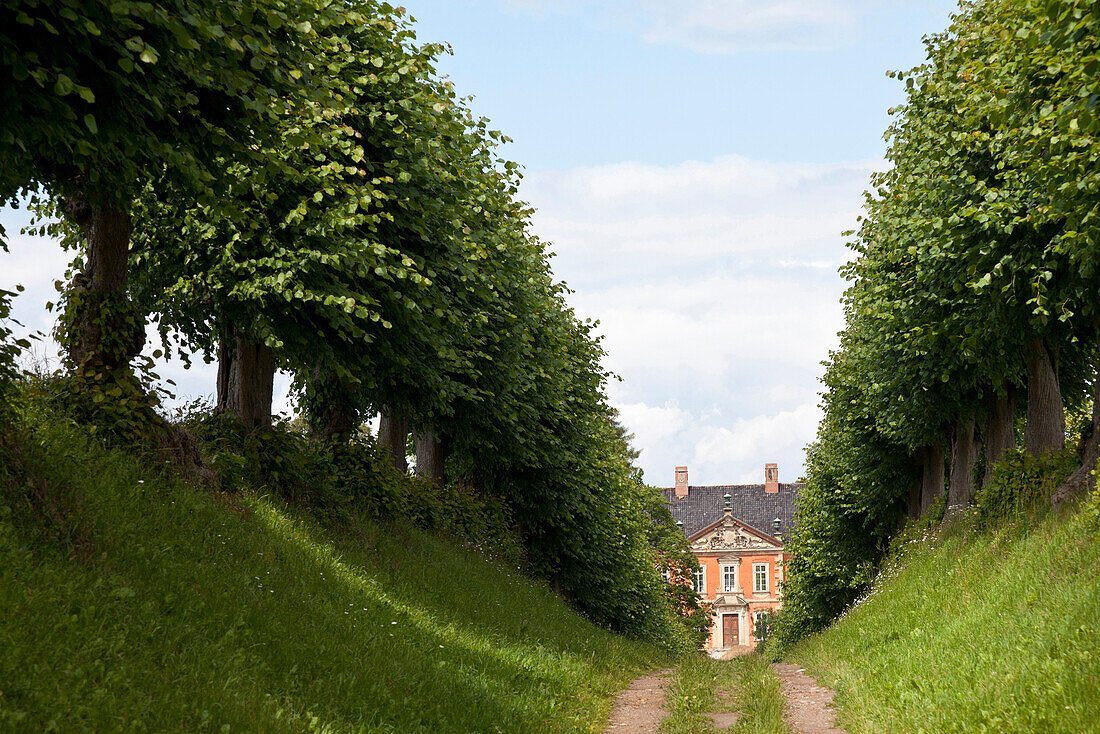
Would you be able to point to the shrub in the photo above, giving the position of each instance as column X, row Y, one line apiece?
column 1021, row 485
column 9, row 350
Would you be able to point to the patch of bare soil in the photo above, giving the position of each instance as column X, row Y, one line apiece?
column 640, row 708
column 809, row 707
column 723, row 719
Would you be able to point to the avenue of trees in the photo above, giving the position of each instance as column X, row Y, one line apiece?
column 289, row 184
column 973, row 315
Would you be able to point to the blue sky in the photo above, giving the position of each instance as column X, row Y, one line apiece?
column 693, row 165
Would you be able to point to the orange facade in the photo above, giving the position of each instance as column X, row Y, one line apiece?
column 739, row 632
column 738, row 534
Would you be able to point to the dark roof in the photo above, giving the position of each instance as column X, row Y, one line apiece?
column 749, row 502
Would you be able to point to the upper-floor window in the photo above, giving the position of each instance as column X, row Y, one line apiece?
column 665, row 575
column 699, row 582
column 759, row 577
column 729, row 578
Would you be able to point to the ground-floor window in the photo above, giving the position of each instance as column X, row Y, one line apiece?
column 760, row 626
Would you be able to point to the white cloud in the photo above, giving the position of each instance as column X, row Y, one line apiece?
column 727, row 26
column 757, row 440
column 715, row 453
column 653, row 424
column 716, row 289
column 714, row 282
column 789, row 214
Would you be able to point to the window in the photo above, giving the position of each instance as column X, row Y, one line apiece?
column 665, row 575
column 759, row 577
column 700, row 583
column 729, row 578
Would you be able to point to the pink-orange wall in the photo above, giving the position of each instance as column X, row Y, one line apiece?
column 712, row 570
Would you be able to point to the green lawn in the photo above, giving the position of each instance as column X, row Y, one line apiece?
column 969, row 632
column 143, row 604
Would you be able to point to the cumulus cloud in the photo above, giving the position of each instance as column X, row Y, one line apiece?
column 788, row 214
column 716, row 290
column 756, row 440
column 727, row 26
column 714, row 282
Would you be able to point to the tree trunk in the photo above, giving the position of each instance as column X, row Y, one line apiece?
column 1046, row 418
column 931, row 477
column 431, row 456
column 333, row 415
column 246, row 379
column 913, row 506
column 962, row 463
column 393, row 434
column 106, row 331
column 1083, row 480
column 1000, row 434
column 227, row 351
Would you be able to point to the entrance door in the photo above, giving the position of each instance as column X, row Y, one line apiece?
column 729, row 630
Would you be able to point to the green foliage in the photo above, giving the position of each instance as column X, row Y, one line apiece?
column 978, row 245
column 9, row 351
column 297, row 175
column 848, row 510
column 677, row 563
column 970, row 631
column 1021, row 487
column 100, row 95
column 762, row 631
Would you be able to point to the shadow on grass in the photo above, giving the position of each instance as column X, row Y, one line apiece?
column 203, row 615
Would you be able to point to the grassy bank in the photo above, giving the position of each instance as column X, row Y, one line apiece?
column 133, row 602
column 974, row 632
column 746, row 685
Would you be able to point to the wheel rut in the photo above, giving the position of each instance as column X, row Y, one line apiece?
column 640, row 709
column 808, row 708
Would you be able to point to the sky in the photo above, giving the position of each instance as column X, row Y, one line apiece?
column 693, row 165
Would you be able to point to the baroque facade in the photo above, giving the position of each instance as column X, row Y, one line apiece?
column 736, row 532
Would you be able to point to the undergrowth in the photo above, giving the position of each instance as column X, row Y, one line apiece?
column 133, row 601
column 990, row 624
column 746, row 684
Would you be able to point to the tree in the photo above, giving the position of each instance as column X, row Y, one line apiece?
column 102, row 98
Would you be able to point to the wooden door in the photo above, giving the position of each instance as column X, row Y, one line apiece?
column 729, row 630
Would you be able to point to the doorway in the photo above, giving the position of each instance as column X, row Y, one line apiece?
column 730, row 628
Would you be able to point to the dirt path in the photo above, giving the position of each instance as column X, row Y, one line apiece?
column 809, row 707
column 640, row 708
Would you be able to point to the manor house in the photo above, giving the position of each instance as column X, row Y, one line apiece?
column 737, row 532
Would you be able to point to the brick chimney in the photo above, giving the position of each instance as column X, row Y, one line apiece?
column 681, row 481
column 771, row 478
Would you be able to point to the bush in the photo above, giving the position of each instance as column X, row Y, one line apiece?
column 9, row 351
column 343, row 479
column 1021, row 486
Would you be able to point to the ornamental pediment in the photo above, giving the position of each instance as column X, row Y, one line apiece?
column 729, row 600
column 730, row 535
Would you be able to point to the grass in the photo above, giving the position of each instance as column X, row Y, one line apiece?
column 969, row 632
column 745, row 684
column 133, row 602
